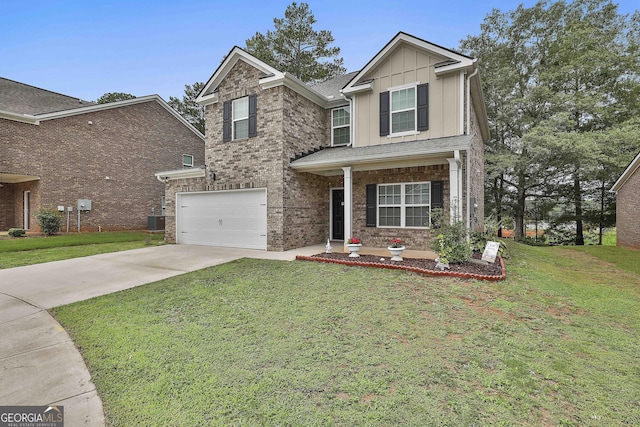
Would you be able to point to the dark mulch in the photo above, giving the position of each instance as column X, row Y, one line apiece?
column 493, row 269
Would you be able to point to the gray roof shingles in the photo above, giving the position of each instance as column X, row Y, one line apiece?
column 331, row 88
column 25, row 99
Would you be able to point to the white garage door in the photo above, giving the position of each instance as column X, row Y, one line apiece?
column 236, row 219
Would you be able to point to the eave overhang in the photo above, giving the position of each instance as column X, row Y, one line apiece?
column 330, row 161
column 628, row 172
column 181, row 174
column 17, row 117
column 16, row 178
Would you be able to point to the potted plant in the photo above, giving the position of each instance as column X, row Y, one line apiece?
column 354, row 244
column 396, row 249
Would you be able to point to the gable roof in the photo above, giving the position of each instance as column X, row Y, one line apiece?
column 320, row 94
column 628, row 173
column 29, row 104
column 24, row 99
column 454, row 60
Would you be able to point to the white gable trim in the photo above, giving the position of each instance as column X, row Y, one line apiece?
column 461, row 61
column 208, row 95
column 628, row 172
column 118, row 104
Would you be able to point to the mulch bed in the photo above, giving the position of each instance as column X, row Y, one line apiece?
column 468, row 270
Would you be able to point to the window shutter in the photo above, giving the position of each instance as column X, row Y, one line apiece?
column 423, row 107
column 253, row 124
column 384, row 113
column 226, row 121
column 371, row 205
column 437, row 195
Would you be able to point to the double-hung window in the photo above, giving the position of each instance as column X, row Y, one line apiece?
column 240, row 118
column 340, row 126
column 404, row 205
column 403, row 110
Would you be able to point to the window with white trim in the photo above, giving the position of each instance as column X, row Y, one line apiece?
column 163, row 205
column 240, row 118
column 187, row 161
column 403, row 110
column 341, row 126
column 404, row 205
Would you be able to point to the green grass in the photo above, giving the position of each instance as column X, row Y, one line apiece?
column 34, row 250
column 257, row 342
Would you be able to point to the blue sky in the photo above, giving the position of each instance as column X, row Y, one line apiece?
column 87, row 48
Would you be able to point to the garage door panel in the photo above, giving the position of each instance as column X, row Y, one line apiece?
column 230, row 219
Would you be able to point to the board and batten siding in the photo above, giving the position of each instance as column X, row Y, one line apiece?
column 408, row 65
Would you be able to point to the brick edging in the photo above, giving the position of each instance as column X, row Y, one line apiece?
column 490, row 278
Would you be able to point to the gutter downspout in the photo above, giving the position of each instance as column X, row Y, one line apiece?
column 468, row 162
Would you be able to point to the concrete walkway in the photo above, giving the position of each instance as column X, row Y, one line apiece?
column 39, row 364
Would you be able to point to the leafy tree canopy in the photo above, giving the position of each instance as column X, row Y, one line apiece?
column 188, row 107
column 113, row 97
column 295, row 47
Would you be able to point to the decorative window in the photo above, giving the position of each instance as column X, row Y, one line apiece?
column 187, row 161
column 340, row 126
column 404, row 110
column 239, row 118
column 163, row 204
column 404, row 205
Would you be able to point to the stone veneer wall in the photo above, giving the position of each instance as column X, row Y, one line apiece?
column 628, row 213
column 381, row 237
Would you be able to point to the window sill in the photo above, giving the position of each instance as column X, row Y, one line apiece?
column 408, row 133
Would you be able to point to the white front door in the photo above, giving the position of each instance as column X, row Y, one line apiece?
column 235, row 219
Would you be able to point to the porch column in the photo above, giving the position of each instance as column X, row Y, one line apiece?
column 455, row 194
column 348, row 204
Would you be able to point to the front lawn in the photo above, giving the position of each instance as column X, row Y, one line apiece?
column 257, row 342
column 18, row 252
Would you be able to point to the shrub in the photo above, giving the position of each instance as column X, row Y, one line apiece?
column 479, row 239
column 50, row 221
column 16, row 232
column 450, row 241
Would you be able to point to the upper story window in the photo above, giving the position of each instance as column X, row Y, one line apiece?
column 187, row 161
column 239, row 118
column 404, row 110
column 340, row 126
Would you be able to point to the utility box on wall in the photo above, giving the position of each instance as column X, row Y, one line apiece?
column 84, row 204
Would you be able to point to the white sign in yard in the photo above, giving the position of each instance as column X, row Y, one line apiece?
column 491, row 251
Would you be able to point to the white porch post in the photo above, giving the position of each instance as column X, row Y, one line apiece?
column 455, row 199
column 348, row 204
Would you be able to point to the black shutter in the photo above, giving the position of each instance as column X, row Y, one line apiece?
column 423, row 106
column 371, row 205
column 226, row 121
column 253, row 124
column 437, row 195
column 384, row 113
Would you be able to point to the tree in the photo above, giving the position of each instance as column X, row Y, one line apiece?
column 557, row 76
column 113, row 97
column 188, row 107
column 295, row 47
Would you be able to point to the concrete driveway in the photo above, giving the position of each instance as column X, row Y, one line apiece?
column 39, row 364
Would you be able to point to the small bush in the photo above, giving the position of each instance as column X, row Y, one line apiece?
column 450, row 241
column 50, row 221
column 16, row 232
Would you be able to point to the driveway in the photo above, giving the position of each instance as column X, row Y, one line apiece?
column 39, row 364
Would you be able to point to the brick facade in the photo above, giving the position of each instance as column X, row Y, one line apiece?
column 74, row 155
column 627, row 212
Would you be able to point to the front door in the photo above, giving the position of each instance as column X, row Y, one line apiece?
column 337, row 214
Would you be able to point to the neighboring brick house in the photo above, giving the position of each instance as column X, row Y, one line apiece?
column 368, row 154
column 627, row 190
column 56, row 150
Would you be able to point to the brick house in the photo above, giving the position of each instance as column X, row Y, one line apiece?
column 56, row 150
column 367, row 154
column 627, row 189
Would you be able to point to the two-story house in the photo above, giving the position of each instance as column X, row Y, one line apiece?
column 368, row 154
column 94, row 162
